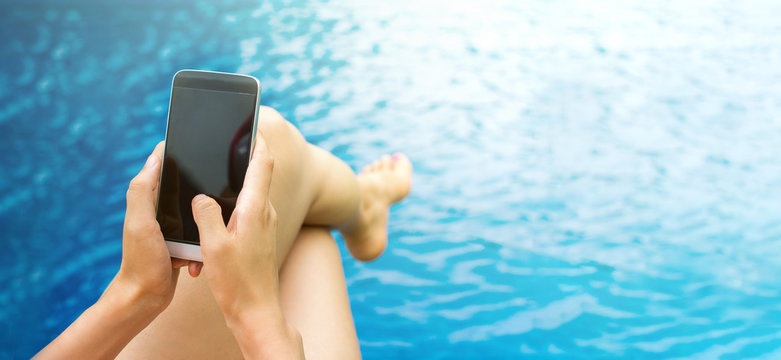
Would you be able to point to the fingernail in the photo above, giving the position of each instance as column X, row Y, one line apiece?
column 198, row 198
column 151, row 161
column 396, row 156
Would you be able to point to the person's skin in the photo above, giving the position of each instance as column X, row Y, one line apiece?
column 308, row 185
column 242, row 273
column 142, row 288
column 314, row 297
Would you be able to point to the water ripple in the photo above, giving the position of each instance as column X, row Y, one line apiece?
column 591, row 181
column 551, row 316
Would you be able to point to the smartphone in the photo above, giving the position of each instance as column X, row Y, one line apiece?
column 212, row 121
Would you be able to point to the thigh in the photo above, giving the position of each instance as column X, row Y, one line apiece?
column 192, row 327
column 314, row 297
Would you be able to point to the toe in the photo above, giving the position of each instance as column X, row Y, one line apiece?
column 401, row 161
column 385, row 162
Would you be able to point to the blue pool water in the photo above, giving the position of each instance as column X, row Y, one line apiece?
column 593, row 179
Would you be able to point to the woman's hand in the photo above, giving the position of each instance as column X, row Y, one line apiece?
column 148, row 273
column 142, row 288
column 239, row 262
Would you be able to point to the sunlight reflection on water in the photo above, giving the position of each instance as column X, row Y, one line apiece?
column 592, row 179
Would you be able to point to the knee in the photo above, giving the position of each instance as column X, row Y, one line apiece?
column 277, row 131
column 268, row 114
column 272, row 123
column 284, row 141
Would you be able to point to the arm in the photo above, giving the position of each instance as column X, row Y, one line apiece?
column 104, row 329
column 240, row 264
column 142, row 288
column 263, row 333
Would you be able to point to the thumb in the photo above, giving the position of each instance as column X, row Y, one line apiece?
column 208, row 216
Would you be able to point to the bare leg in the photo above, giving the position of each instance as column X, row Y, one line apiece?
column 314, row 301
column 383, row 183
column 306, row 180
column 310, row 186
column 314, row 297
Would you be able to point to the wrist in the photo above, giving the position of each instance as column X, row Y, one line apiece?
column 259, row 317
column 131, row 298
column 265, row 333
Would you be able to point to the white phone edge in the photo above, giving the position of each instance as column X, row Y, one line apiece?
column 184, row 251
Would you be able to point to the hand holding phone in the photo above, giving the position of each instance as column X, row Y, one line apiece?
column 142, row 288
column 242, row 267
column 146, row 264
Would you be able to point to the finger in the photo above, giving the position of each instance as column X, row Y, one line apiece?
column 169, row 200
column 158, row 151
column 142, row 191
column 261, row 166
column 208, row 217
column 177, row 263
column 158, row 154
column 195, row 268
column 257, row 181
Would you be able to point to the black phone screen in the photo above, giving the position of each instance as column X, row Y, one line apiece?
column 207, row 151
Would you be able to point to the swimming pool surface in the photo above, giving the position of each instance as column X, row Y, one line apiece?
column 593, row 179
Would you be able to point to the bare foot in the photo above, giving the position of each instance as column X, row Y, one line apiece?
column 383, row 183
